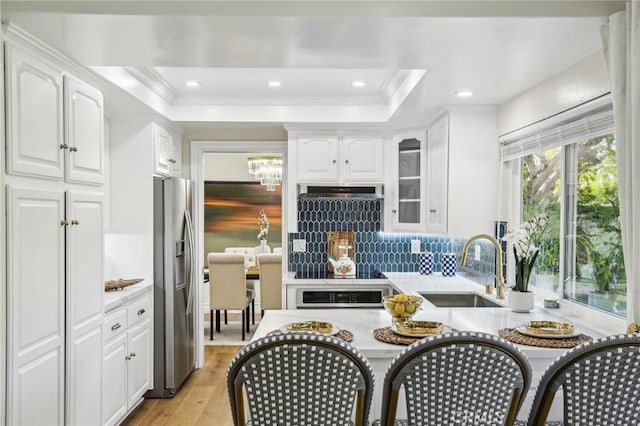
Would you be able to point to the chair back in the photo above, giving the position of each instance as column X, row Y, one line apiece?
column 300, row 379
column 227, row 279
column 600, row 382
column 457, row 378
column 270, row 281
column 248, row 252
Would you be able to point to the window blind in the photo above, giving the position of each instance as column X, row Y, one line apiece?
column 597, row 122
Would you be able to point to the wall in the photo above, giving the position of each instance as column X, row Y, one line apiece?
column 585, row 80
column 473, row 171
column 228, row 132
column 227, row 167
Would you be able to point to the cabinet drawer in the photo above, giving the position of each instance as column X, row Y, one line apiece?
column 139, row 310
column 115, row 323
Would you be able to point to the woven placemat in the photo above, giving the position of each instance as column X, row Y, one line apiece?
column 513, row 335
column 387, row 335
column 345, row 335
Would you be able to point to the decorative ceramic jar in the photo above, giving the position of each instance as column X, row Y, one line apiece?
column 426, row 263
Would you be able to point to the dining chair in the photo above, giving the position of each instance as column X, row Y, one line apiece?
column 300, row 379
column 457, row 378
column 270, row 281
column 227, row 288
column 249, row 254
column 600, row 381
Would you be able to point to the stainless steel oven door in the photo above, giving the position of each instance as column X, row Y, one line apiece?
column 342, row 297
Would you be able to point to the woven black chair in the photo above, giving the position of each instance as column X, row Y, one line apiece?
column 300, row 379
column 600, row 381
column 457, row 378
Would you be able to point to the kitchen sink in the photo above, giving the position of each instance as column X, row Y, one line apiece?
column 460, row 300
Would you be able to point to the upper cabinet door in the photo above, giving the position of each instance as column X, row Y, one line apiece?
column 85, row 132
column 438, row 175
column 35, row 136
column 362, row 159
column 317, row 159
column 408, row 192
column 162, row 151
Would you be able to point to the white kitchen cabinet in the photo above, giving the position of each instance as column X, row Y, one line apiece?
column 55, row 293
column 406, row 184
column 84, row 115
column 166, row 151
column 362, row 159
column 128, row 357
column 339, row 159
column 54, row 121
column 437, row 176
column 317, row 158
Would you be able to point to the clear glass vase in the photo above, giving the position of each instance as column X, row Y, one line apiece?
column 263, row 248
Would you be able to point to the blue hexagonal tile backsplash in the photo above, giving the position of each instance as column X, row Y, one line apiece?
column 375, row 250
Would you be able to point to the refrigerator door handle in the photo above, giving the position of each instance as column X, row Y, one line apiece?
column 190, row 261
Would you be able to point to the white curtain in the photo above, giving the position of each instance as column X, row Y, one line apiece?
column 621, row 42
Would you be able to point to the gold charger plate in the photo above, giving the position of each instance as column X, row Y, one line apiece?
column 548, row 329
column 321, row 327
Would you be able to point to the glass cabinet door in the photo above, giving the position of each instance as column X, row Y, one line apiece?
column 409, row 181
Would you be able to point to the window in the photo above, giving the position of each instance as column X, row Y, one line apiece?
column 579, row 181
column 541, row 192
column 594, row 272
column 568, row 171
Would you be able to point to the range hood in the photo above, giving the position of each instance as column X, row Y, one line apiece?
column 370, row 192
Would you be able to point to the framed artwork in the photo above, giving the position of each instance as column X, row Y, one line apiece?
column 231, row 214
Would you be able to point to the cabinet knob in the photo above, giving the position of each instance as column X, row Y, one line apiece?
column 128, row 357
column 64, row 146
column 132, row 354
column 75, row 222
column 171, row 160
column 64, row 223
column 73, row 149
column 141, row 311
column 334, row 161
column 432, row 211
column 346, row 161
column 116, row 326
column 394, row 211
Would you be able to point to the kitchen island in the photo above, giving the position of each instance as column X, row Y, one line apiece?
column 362, row 322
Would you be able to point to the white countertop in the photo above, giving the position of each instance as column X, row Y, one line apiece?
column 115, row 298
column 363, row 321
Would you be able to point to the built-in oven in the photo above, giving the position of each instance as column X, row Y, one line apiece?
column 344, row 297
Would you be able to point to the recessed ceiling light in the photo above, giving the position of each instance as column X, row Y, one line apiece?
column 274, row 84
column 192, row 83
column 464, row 93
column 358, row 83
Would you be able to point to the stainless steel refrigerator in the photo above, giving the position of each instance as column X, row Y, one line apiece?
column 174, row 285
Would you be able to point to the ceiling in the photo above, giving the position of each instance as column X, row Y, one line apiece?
column 412, row 56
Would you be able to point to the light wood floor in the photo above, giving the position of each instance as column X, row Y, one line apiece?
column 202, row 400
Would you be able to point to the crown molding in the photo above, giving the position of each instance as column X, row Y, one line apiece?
column 153, row 81
column 15, row 35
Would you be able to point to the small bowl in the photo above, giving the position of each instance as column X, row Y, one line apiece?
column 551, row 303
column 402, row 309
column 419, row 327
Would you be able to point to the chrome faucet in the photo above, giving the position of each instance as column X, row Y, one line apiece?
column 502, row 285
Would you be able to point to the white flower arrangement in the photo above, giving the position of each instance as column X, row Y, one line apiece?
column 263, row 222
column 525, row 248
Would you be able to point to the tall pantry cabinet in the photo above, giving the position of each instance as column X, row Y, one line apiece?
column 54, row 202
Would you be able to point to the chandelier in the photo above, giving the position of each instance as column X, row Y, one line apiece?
column 267, row 169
